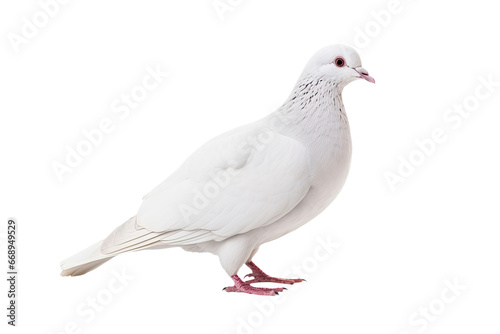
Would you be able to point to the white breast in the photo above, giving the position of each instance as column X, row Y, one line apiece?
column 325, row 132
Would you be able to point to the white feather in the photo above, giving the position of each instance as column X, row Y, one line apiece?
column 250, row 185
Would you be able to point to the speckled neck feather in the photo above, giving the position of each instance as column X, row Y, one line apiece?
column 314, row 114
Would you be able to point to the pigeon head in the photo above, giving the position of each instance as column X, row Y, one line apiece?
column 338, row 63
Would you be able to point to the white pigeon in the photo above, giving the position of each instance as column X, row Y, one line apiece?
column 250, row 185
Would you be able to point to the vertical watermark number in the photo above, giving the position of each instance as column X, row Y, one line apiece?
column 12, row 271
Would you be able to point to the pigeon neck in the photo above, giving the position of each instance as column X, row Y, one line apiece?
column 315, row 103
column 314, row 114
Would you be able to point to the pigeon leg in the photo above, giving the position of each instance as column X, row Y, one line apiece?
column 260, row 276
column 241, row 286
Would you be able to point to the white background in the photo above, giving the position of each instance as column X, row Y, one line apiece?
column 397, row 248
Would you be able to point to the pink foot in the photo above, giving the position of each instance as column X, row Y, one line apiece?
column 241, row 286
column 260, row 276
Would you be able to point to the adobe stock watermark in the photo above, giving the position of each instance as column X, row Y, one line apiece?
column 222, row 7
column 453, row 118
column 420, row 320
column 380, row 19
column 89, row 309
column 32, row 25
column 265, row 308
column 121, row 107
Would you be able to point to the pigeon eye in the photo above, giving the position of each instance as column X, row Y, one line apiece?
column 339, row 61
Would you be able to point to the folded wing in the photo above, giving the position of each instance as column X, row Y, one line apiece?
column 239, row 181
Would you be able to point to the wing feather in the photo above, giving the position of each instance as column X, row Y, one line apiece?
column 231, row 185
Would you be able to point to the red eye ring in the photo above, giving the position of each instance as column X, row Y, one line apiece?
column 339, row 62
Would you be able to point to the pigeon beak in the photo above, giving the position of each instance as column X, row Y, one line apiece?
column 364, row 74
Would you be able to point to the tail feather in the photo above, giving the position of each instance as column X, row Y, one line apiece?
column 85, row 261
column 126, row 238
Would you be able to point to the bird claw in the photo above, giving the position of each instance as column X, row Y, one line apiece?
column 244, row 286
column 247, row 288
column 269, row 279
